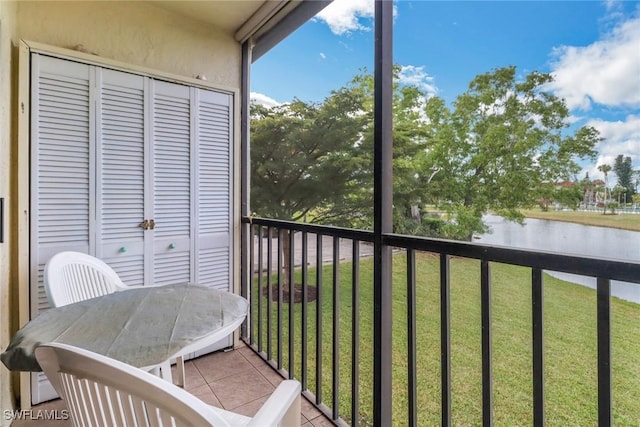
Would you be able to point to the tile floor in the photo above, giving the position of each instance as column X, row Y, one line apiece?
column 237, row 380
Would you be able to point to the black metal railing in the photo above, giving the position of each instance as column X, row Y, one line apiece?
column 275, row 322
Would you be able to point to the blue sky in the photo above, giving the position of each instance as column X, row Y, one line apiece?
column 591, row 47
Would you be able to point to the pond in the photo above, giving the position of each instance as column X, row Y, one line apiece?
column 569, row 238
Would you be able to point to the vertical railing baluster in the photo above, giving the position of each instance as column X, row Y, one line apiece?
column 445, row 339
column 305, row 301
column 537, row 310
column 250, row 284
column 411, row 335
column 257, row 265
column 355, row 334
column 319, row 319
column 604, row 352
column 487, row 377
column 290, row 275
column 269, row 295
column 279, row 305
column 336, row 325
column 259, row 291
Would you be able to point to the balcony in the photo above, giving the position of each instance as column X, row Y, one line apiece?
column 396, row 349
column 519, row 369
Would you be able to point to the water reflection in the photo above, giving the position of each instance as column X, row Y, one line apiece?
column 573, row 239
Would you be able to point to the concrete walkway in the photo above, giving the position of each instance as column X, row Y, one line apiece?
column 345, row 251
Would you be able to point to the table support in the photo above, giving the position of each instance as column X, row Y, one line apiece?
column 180, row 380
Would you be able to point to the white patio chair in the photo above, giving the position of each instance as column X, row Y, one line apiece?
column 100, row 391
column 74, row 276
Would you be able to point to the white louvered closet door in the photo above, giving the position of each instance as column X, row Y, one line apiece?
column 213, row 133
column 172, row 136
column 113, row 150
column 62, row 203
column 121, row 170
column 213, row 163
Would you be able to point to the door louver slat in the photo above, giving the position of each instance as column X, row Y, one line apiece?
column 172, row 160
column 121, row 124
column 62, row 163
column 213, row 167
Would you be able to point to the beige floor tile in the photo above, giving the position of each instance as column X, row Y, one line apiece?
column 251, row 356
column 321, row 421
column 309, row 410
column 221, row 364
column 192, row 376
column 270, row 374
column 207, row 395
column 240, row 389
column 251, row 408
column 262, row 369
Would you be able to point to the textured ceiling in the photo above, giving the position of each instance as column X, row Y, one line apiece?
column 229, row 15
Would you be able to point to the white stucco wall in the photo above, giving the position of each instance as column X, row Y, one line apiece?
column 7, row 32
column 137, row 33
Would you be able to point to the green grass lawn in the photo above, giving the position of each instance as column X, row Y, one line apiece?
column 570, row 346
column 622, row 221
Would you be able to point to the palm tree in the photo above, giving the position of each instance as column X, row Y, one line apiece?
column 605, row 169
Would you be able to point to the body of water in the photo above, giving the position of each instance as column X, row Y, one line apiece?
column 574, row 239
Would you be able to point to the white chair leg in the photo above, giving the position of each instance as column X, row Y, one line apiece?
column 155, row 371
column 180, row 380
column 165, row 371
column 292, row 417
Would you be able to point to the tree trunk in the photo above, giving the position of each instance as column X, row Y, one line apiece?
column 286, row 261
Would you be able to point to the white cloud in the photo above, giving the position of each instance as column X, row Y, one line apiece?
column 593, row 173
column 417, row 76
column 611, row 4
column 620, row 137
column 606, row 72
column 614, row 10
column 323, row 56
column 262, row 99
column 344, row 16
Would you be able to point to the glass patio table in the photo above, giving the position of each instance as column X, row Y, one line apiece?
column 143, row 327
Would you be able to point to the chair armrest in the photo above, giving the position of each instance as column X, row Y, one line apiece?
column 282, row 408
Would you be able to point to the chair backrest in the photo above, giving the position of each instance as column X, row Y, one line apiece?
column 100, row 391
column 73, row 276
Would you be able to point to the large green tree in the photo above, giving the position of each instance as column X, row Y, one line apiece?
column 623, row 168
column 300, row 156
column 300, row 159
column 409, row 155
column 497, row 148
column 500, row 144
